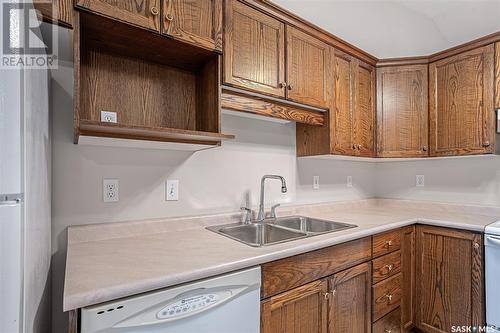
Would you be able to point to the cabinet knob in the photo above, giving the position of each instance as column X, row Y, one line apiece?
column 326, row 295
column 388, row 243
column 289, row 87
column 424, row 148
column 282, row 85
column 155, row 11
column 486, row 144
column 360, row 147
column 169, row 17
column 354, row 146
column 476, row 245
column 389, row 268
column 334, row 291
column 389, row 297
column 387, row 330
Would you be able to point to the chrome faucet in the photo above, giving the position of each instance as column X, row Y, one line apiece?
column 262, row 215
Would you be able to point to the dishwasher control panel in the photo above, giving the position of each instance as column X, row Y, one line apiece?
column 187, row 305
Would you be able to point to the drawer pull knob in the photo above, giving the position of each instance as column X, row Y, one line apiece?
column 476, row 245
column 389, row 297
column 389, row 268
column 388, row 243
column 486, row 144
column 289, row 87
column 334, row 291
column 282, row 85
column 326, row 295
column 387, row 330
column 154, row 11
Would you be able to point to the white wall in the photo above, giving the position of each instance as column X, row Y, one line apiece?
column 216, row 180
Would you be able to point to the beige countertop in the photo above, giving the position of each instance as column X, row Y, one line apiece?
column 108, row 261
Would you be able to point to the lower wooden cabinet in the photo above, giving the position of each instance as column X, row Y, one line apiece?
column 449, row 275
column 303, row 309
column 408, row 277
column 350, row 301
column 390, row 323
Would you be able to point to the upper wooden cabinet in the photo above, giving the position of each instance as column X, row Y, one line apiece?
column 142, row 13
column 350, row 305
column 58, row 11
column 303, row 309
column 402, row 112
column 308, row 62
column 254, row 50
column 461, row 106
column 497, row 75
column 364, row 110
column 449, row 277
column 198, row 22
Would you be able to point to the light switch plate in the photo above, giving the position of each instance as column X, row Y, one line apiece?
column 316, row 182
column 109, row 117
column 172, row 190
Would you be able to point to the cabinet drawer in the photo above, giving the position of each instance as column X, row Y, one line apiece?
column 390, row 323
column 386, row 243
column 386, row 266
column 386, row 296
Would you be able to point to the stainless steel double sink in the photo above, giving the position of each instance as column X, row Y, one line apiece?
column 278, row 230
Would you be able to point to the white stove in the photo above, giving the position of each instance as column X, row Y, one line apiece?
column 492, row 268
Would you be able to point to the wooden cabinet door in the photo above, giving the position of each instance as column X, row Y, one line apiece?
column 143, row 13
column 461, row 103
column 402, row 111
column 497, row 75
column 254, row 50
column 364, row 110
column 408, row 275
column 344, row 67
column 308, row 61
column 198, row 22
column 449, row 279
column 350, row 303
column 303, row 309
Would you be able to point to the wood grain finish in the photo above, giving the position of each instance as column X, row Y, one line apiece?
column 386, row 242
column 288, row 273
column 390, row 323
column 386, row 296
column 198, row 22
column 303, row 309
column 254, row 50
column 402, row 111
column 364, row 110
column 350, row 305
column 142, row 13
column 408, row 241
column 450, row 277
column 56, row 11
column 73, row 321
column 386, row 266
column 461, row 104
column 343, row 101
column 266, row 107
column 497, row 75
column 308, row 61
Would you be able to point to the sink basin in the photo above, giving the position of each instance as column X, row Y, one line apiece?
column 258, row 234
column 311, row 225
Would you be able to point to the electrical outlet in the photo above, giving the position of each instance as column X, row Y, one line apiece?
column 109, row 117
column 172, row 190
column 110, row 190
column 349, row 181
column 419, row 180
column 316, row 182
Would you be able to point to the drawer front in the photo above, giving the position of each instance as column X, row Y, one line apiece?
column 285, row 274
column 386, row 266
column 386, row 243
column 386, row 296
column 390, row 323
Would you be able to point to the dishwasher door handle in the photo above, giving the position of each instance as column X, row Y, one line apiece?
column 492, row 240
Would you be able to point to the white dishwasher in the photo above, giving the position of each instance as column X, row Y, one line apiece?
column 492, row 268
column 225, row 304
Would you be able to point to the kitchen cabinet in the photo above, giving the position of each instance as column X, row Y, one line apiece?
column 198, row 22
column 350, row 300
column 461, row 106
column 303, row 309
column 308, row 60
column 364, row 110
column 254, row 50
column 497, row 75
column 408, row 236
column 449, row 279
column 58, row 11
column 402, row 111
column 145, row 14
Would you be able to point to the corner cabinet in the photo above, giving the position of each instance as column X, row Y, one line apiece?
column 449, row 276
column 461, row 106
column 402, row 111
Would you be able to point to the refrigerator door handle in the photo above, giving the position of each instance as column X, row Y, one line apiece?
column 11, row 199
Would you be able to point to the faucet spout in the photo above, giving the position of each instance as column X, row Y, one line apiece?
column 261, row 216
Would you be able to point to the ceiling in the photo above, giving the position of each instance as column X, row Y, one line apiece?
column 401, row 28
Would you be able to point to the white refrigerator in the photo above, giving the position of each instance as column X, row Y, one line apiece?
column 25, row 171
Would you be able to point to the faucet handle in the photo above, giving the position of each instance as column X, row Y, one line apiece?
column 273, row 211
column 249, row 214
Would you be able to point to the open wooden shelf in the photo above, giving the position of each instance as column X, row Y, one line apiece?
column 160, row 91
